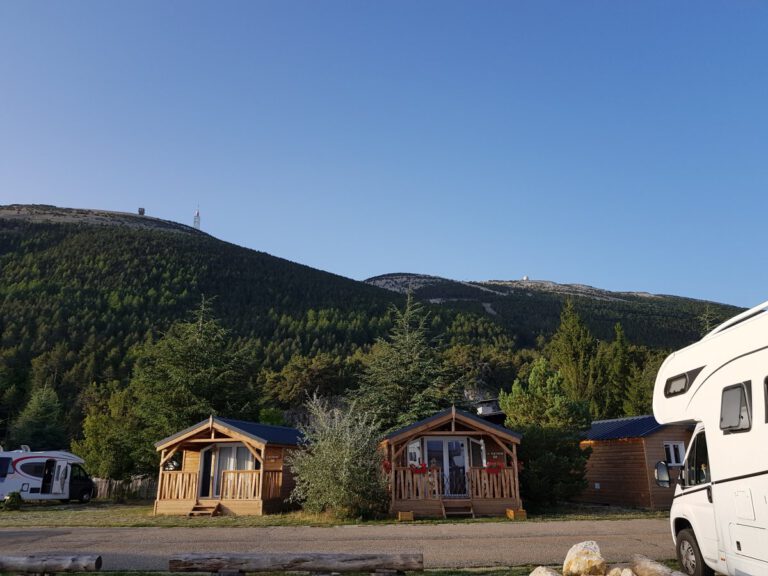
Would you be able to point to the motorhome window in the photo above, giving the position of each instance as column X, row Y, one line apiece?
column 680, row 384
column 33, row 469
column 5, row 464
column 697, row 465
column 675, row 452
column 736, row 409
column 78, row 473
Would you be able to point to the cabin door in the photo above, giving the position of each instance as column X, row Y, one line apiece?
column 450, row 456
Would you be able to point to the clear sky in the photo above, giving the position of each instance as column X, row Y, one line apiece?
column 621, row 144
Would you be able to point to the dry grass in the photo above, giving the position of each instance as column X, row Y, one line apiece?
column 108, row 514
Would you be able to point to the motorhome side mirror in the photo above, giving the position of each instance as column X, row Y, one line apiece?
column 662, row 474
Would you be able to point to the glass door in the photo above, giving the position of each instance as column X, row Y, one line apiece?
column 449, row 456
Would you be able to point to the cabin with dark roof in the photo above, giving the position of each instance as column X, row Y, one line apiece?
column 224, row 466
column 620, row 470
column 453, row 463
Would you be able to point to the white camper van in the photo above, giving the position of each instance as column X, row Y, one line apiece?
column 55, row 475
column 719, row 515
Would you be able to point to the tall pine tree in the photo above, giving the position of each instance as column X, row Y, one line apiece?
column 404, row 379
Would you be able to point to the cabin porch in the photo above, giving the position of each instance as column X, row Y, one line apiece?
column 453, row 463
column 220, row 467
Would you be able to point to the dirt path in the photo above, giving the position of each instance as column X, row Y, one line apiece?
column 443, row 545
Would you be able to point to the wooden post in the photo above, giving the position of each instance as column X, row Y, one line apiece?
column 391, row 451
column 307, row 562
column 45, row 564
column 517, row 476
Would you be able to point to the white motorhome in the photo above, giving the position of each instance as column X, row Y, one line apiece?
column 54, row 475
column 719, row 515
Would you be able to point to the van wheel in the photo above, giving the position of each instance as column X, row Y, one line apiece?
column 85, row 496
column 689, row 555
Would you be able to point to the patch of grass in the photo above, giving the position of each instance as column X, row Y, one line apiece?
column 110, row 515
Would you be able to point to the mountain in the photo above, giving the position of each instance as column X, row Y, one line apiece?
column 529, row 308
column 80, row 289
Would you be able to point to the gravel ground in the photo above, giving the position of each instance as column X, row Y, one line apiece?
column 465, row 545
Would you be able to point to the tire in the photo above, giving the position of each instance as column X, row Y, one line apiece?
column 689, row 555
column 85, row 496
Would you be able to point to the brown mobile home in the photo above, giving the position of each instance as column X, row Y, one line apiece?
column 620, row 470
column 453, row 463
column 225, row 466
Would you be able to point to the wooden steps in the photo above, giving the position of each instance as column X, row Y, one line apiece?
column 205, row 510
column 458, row 508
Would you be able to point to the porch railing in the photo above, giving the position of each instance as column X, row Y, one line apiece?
column 477, row 484
column 241, row 485
column 492, row 484
column 235, row 485
column 175, row 485
column 416, row 485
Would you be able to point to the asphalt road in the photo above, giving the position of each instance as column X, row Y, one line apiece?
column 443, row 545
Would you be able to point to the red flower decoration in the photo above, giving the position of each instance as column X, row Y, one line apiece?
column 387, row 465
column 493, row 467
column 420, row 469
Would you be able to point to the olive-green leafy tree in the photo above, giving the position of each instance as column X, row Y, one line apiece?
column 339, row 469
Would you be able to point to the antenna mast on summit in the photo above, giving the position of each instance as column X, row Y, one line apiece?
column 197, row 218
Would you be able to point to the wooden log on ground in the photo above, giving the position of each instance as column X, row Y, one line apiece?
column 47, row 564
column 309, row 562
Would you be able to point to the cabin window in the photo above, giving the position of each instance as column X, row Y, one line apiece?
column 414, row 453
column 675, row 452
column 5, row 464
column 736, row 408
column 697, row 465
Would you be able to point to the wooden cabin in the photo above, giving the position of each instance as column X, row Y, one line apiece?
column 453, row 463
column 625, row 451
column 223, row 466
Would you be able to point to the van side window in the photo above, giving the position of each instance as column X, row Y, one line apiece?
column 33, row 469
column 697, row 465
column 5, row 464
column 736, row 408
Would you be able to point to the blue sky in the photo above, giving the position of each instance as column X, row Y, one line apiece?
column 619, row 144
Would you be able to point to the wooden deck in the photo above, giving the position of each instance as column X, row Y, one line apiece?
column 240, row 492
column 486, row 491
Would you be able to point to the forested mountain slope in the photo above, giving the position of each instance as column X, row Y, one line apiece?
column 82, row 292
column 529, row 308
column 79, row 289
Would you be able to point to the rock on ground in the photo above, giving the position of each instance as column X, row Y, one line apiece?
column 643, row 566
column 584, row 559
column 544, row 571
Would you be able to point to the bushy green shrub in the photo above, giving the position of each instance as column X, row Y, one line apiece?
column 339, row 468
column 13, row 501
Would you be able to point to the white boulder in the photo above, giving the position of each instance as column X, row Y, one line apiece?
column 584, row 559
